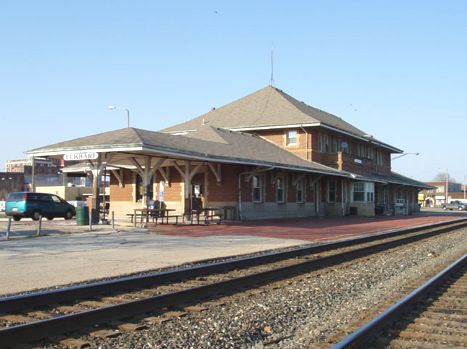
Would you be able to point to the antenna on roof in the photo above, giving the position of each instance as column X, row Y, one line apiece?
column 271, row 82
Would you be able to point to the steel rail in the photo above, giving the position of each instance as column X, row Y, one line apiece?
column 13, row 303
column 37, row 330
column 359, row 337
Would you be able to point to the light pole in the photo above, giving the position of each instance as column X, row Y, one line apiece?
column 112, row 107
column 404, row 154
column 464, row 186
column 447, row 187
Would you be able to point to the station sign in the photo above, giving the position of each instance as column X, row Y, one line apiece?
column 80, row 155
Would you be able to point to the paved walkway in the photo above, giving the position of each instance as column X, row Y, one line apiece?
column 309, row 229
column 47, row 261
column 71, row 254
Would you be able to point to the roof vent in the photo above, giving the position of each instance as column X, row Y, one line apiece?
column 213, row 108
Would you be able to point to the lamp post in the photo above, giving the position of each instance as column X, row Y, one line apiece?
column 404, row 154
column 112, row 107
column 464, row 186
column 447, row 187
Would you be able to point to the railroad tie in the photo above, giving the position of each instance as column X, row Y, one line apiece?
column 16, row 318
column 155, row 320
column 452, row 340
column 105, row 334
column 131, row 327
column 455, row 331
column 40, row 315
column 195, row 309
column 74, row 343
column 411, row 344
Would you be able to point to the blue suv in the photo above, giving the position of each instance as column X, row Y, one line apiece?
column 37, row 205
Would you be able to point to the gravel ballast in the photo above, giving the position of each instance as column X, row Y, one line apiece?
column 311, row 310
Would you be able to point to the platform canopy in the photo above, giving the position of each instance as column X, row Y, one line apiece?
column 148, row 151
column 126, row 147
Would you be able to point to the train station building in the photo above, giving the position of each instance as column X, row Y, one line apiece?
column 266, row 155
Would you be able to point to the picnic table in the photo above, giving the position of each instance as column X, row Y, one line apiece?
column 153, row 212
column 209, row 214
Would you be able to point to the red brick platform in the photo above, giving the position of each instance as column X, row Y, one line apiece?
column 309, row 229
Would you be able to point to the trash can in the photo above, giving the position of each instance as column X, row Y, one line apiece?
column 82, row 215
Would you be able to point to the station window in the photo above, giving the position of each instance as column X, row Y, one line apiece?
column 371, row 153
column 363, row 191
column 323, row 142
column 344, row 146
column 359, row 191
column 331, row 191
column 280, row 190
column 361, row 150
column 334, row 144
column 291, row 137
column 300, row 191
column 379, row 157
column 257, row 189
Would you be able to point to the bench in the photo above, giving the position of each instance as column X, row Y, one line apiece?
column 132, row 215
column 210, row 215
column 155, row 218
column 166, row 217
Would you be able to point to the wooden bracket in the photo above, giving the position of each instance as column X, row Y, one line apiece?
column 165, row 175
column 182, row 173
column 314, row 181
column 119, row 176
column 298, row 178
column 139, row 169
column 216, row 172
column 156, row 167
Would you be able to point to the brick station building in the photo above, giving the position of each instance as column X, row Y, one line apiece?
column 266, row 155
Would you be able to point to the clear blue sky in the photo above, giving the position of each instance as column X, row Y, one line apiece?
column 396, row 69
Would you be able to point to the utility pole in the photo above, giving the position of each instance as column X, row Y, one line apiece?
column 447, row 187
column 464, row 187
column 33, row 174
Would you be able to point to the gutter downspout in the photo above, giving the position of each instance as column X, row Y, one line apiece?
column 342, row 196
column 306, row 135
column 240, row 187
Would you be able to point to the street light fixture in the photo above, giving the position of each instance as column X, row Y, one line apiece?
column 112, row 107
column 404, row 154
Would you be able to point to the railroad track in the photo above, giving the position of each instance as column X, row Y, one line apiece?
column 36, row 316
column 434, row 316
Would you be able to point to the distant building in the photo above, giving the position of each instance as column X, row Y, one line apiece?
column 437, row 195
column 42, row 166
column 10, row 182
column 46, row 171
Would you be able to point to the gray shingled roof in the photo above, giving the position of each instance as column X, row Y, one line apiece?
column 268, row 107
column 211, row 144
column 208, row 143
column 395, row 178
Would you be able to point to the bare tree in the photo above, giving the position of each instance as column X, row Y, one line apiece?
column 441, row 177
